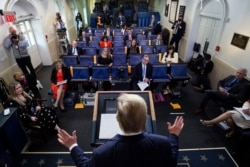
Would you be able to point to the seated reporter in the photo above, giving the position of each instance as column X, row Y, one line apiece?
column 142, row 72
column 58, row 74
column 233, row 118
column 170, row 56
column 133, row 146
column 29, row 111
column 105, row 43
column 75, row 51
column 105, row 59
column 28, row 83
column 231, row 91
column 133, row 48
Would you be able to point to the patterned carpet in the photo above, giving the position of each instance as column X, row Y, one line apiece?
column 203, row 157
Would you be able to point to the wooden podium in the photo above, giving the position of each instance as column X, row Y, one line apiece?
column 105, row 104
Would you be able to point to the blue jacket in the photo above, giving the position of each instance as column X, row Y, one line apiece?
column 144, row 149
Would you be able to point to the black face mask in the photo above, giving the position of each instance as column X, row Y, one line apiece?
column 179, row 19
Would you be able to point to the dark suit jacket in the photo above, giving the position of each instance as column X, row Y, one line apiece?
column 66, row 75
column 79, row 51
column 238, row 91
column 181, row 31
column 154, row 42
column 137, row 72
column 126, row 37
column 154, row 22
column 120, row 20
column 134, row 50
column 87, row 39
column 204, row 70
column 89, row 32
column 124, row 151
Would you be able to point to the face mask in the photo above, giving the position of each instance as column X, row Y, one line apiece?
column 179, row 19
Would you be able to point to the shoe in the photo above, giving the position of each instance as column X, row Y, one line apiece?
column 204, row 124
column 229, row 134
column 198, row 89
column 55, row 107
column 199, row 110
column 63, row 110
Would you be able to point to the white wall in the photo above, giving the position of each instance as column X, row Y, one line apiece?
column 237, row 21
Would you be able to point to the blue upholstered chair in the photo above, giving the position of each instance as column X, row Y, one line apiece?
column 118, row 43
column 154, row 58
column 147, row 49
column 70, row 60
column 86, row 60
column 82, row 44
column 179, row 71
column 160, row 73
column 143, row 42
column 80, row 74
column 119, row 72
column 160, row 49
column 134, row 59
column 120, row 59
column 90, row 51
column 118, row 50
column 128, row 43
column 101, row 49
column 100, row 73
column 118, row 38
column 141, row 37
column 99, row 30
column 96, row 38
column 94, row 44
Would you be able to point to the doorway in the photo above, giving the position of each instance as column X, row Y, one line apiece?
column 208, row 33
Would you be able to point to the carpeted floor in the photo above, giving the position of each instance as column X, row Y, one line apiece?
column 203, row 157
column 194, row 135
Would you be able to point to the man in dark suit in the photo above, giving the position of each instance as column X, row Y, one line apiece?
column 179, row 28
column 75, row 51
column 84, row 38
column 158, row 40
column 89, row 31
column 153, row 21
column 129, row 35
column 203, row 67
column 132, row 144
column 231, row 92
column 142, row 72
column 120, row 21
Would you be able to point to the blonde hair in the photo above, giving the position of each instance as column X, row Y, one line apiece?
column 17, row 76
column 59, row 61
column 131, row 113
column 13, row 96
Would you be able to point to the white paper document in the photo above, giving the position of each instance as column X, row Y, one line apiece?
column 61, row 82
column 109, row 126
column 142, row 85
column 239, row 109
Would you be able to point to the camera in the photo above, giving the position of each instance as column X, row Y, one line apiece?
column 15, row 36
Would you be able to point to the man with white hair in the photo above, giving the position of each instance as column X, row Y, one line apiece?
column 231, row 91
column 132, row 147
